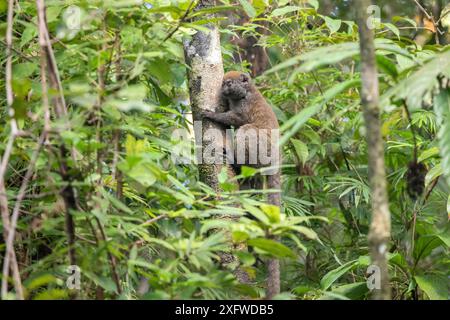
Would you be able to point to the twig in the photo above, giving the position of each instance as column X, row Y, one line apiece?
column 9, row 90
column 32, row 196
column 183, row 17
column 150, row 221
column 42, row 44
column 16, row 51
column 4, row 162
column 16, row 210
column 443, row 16
column 416, row 211
column 68, row 193
column 116, row 173
column 14, row 266
column 85, row 239
column 423, row 9
column 112, row 258
column 102, row 73
column 430, row 17
column 413, row 131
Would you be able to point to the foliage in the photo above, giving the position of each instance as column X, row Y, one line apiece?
column 147, row 218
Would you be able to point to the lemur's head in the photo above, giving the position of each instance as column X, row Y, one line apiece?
column 236, row 85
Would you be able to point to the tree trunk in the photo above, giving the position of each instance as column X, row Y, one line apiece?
column 380, row 227
column 204, row 57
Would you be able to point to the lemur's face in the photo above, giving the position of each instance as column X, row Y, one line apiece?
column 235, row 85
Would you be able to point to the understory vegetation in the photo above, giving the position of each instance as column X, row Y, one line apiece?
column 90, row 169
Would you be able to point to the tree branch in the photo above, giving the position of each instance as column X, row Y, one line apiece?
column 4, row 162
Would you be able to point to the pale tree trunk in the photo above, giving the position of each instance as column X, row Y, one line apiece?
column 380, row 227
column 204, row 57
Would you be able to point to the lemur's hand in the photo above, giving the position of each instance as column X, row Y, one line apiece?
column 207, row 114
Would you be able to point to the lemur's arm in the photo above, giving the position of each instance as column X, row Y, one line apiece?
column 229, row 118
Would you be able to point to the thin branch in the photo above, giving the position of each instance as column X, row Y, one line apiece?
column 4, row 161
column 150, row 221
column 423, row 9
column 44, row 85
column 413, row 131
column 430, row 17
column 112, row 258
column 182, row 19
column 9, row 90
column 14, row 266
column 443, row 16
column 16, row 210
column 68, row 193
column 44, row 41
column 16, row 51
column 85, row 239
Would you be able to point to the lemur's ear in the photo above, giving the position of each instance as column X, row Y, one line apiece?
column 245, row 77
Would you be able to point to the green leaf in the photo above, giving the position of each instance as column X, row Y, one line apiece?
column 271, row 247
column 41, row 281
column 239, row 236
column 211, row 10
column 424, row 245
column 294, row 124
column 300, row 119
column 448, row 208
column 222, row 176
column 52, row 294
column 310, row 233
column 432, row 174
column 301, row 149
column 428, row 154
column 28, row 34
column 116, row 202
column 106, row 283
column 393, row 28
column 258, row 214
column 332, row 24
column 442, row 109
column 420, row 84
column 272, row 212
column 248, row 171
column 387, row 65
column 335, row 274
column 24, row 70
column 52, row 13
column 406, row 19
column 314, row 4
column 436, row 287
column 282, row 11
column 329, row 55
column 248, row 8
column 354, row 291
column 445, row 236
column 245, row 258
column 141, row 172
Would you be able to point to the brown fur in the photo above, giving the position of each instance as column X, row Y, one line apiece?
column 248, row 110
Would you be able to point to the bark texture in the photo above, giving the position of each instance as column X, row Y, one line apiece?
column 380, row 227
column 204, row 57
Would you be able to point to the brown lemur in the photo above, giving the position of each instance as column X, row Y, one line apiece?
column 248, row 112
